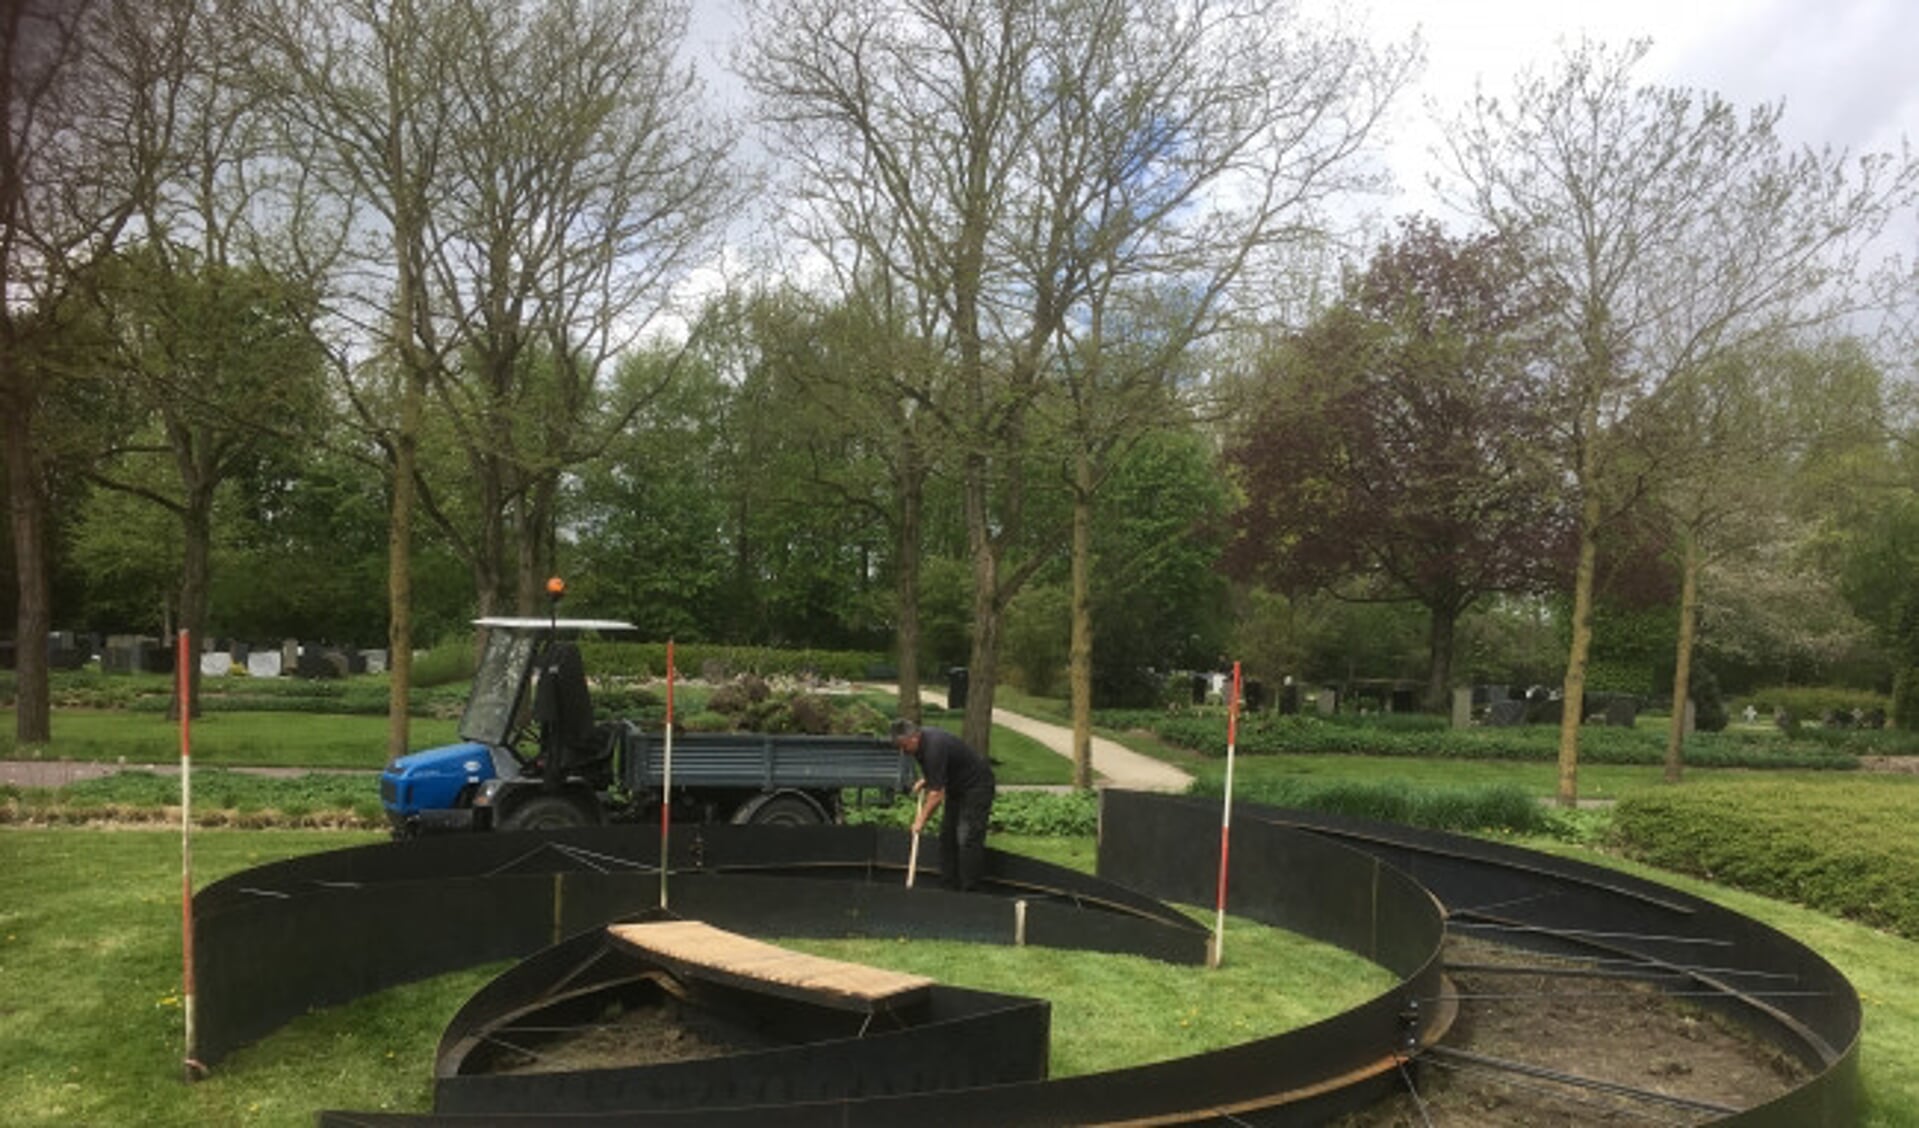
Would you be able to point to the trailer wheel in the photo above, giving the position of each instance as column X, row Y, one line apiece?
column 784, row 810
column 544, row 812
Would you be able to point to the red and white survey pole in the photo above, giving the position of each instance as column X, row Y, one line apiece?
column 184, row 680
column 666, row 775
column 1226, row 819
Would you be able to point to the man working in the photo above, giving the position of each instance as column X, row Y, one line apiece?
column 953, row 775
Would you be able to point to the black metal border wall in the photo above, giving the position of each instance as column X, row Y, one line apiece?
column 1556, row 904
column 276, row 941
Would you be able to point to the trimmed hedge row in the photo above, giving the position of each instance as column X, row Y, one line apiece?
column 1841, row 848
column 1498, row 807
column 1270, row 734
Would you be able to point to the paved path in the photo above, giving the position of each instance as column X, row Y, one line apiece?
column 1115, row 764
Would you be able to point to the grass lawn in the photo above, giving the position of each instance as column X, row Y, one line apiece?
column 1596, row 781
column 97, row 914
column 305, row 740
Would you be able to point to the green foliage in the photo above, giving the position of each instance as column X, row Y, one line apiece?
column 449, row 662
column 1498, row 807
column 648, row 660
column 1036, row 635
column 1267, row 733
column 1844, row 848
column 1709, row 708
column 1808, row 703
column 1041, row 814
column 1158, row 599
column 1905, row 698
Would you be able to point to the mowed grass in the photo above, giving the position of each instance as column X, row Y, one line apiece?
column 90, row 1019
column 303, row 740
column 91, row 1026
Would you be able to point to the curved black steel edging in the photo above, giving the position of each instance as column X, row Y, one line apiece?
column 275, row 941
column 820, row 1053
column 1726, row 961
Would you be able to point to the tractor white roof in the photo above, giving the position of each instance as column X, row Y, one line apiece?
column 563, row 626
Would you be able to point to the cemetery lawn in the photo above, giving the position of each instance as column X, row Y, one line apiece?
column 90, row 1014
column 278, row 740
column 1601, row 782
column 336, row 741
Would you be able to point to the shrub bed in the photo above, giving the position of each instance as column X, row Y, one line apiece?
column 1844, row 849
column 1500, row 807
column 1205, row 733
column 1042, row 814
column 648, row 660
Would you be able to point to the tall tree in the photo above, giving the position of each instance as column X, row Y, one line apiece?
column 70, row 93
column 984, row 157
column 581, row 183
column 1678, row 230
column 1392, row 455
column 222, row 361
column 362, row 90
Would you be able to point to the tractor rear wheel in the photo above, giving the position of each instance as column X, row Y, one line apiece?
column 786, row 810
column 544, row 812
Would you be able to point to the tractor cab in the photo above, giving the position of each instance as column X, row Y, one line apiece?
column 528, row 714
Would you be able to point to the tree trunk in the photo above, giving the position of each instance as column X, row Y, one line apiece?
column 32, row 724
column 196, row 578
column 912, row 482
column 1081, row 648
column 536, row 561
column 1573, row 690
column 399, row 582
column 1682, row 657
column 982, row 671
column 1439, row 651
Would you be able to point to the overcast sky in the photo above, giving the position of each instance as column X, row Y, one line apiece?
column 1846, row 69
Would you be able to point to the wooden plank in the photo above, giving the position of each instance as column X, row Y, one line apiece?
column 699, row 948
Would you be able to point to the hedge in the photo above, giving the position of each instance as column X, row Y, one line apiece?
column 1842, row 848
column 1497, row 807
column 1269, row 734
column 648, row 660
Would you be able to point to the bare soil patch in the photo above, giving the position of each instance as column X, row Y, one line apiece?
column 628, row 1032
column 1606, row 1029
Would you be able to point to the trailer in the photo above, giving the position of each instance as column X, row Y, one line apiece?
column 531, row 756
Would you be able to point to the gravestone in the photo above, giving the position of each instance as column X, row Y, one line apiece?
column 1621, row 712
column 239, row 651
column 1289, row 698
column 265, row 663
column 312, row 662
column 1200, row 682
column 1506, row 714
column 290, row 656
column 1462, row 707
column 216, row 664
column 66, row 651
column 1255, row 695
column 375, row 661
column 1327, row 701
